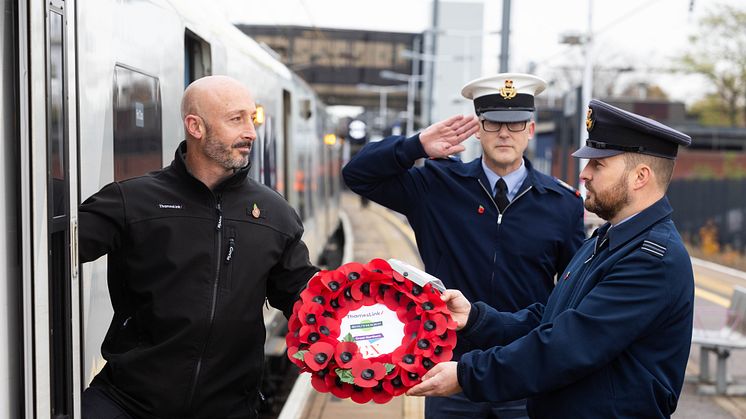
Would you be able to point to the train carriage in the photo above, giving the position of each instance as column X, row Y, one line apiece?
column 93, row 89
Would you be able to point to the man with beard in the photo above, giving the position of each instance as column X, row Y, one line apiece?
column 193, row 251
column 613, row 340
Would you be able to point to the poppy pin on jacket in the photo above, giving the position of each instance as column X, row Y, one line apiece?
column 256, row 212
column 480, row 209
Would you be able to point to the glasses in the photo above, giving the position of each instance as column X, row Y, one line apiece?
column 492, row 126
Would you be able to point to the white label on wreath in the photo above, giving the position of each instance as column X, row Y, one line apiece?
column 376, row 330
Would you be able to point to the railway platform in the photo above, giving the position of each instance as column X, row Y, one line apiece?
column 376, row 232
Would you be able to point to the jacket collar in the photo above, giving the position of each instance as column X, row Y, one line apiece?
column 642, row 221
column 179, row 164
column 473, row 169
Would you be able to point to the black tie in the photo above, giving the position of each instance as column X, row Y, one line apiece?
column 501, row 194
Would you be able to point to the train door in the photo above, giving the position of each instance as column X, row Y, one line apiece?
column 48, row 217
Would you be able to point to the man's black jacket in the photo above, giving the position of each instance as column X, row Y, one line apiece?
column 188, row 273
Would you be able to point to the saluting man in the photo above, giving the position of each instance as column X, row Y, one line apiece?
column 494, row 228
column 614, row 338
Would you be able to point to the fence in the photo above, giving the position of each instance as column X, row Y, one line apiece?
column 710, row 212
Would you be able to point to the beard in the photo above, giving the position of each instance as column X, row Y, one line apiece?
column 223, row 154
column 607, row 204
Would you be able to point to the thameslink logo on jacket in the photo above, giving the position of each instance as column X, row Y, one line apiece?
column 170, row 206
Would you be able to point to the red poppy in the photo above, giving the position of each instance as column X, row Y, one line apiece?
column 413, row 328
column 410, row 379
column 353, row 271
column 379, row 266
column 319, row 355
column 442, row 354
column 334, row 281
column 393, row 298
column 407, row 360
column 431, row 303
column 367, row 291
column 424, row 346
column 366, row 373
column 312, row 293
column 346, row 352
column 430, row 325
column 347, row 305
column 310, row 314
column 322, row 380
column 395, row 386
column 340, row 389
column 353, row 292
column 398, row 277
column 310, row 335
column 361, row 394
column 380, row 395
column 329, row 327
column 447, row 339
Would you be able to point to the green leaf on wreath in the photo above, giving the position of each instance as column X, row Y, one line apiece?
column 299, row 355
column 389, row 368
column 345, row 376
column 348, row 338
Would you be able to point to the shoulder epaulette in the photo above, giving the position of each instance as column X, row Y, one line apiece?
column 567, row 186
column 652, row 244
column 653, row 248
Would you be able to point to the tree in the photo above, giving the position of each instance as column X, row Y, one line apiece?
column 718, row 52
column 710, row 111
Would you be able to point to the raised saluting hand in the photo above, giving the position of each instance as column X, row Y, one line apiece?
column 444, row 138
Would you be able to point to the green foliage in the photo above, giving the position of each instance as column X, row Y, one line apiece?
column 732, row 167
column 718, row 52
column 299, row 355
column 389, row 368
column 345, row 376
column 348, row 338
column 710, row 111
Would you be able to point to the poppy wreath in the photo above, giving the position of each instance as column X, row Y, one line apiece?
column 336, row 365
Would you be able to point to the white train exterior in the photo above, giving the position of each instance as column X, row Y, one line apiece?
column 90, row 94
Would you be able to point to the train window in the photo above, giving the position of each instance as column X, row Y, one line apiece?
column 59, row 237
column 138, row 138
column 305, row 109
column 57, row 163
column 197, row 57
column 270, row 154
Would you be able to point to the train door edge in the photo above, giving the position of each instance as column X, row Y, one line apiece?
column 48, row 217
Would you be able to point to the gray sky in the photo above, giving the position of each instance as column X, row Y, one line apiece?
column 644, row 34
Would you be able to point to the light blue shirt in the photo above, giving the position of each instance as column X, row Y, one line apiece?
column 514, row 179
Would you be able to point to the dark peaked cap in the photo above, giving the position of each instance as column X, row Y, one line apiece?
column 613, row 131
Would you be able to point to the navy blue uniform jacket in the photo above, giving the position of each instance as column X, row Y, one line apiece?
column 508, row 262
column 613, row 339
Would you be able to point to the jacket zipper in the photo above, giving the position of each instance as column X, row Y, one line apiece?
column 492, row 198
column 213, row 303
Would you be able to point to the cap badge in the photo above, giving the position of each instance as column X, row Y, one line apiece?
column 508, row 92
column 589, row 119
column 256, row 212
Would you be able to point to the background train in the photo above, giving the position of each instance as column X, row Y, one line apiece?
column 91, row 92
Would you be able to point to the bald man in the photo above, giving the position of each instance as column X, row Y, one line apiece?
column 193, row 251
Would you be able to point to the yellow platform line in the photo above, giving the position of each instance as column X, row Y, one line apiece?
column 711, row 297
